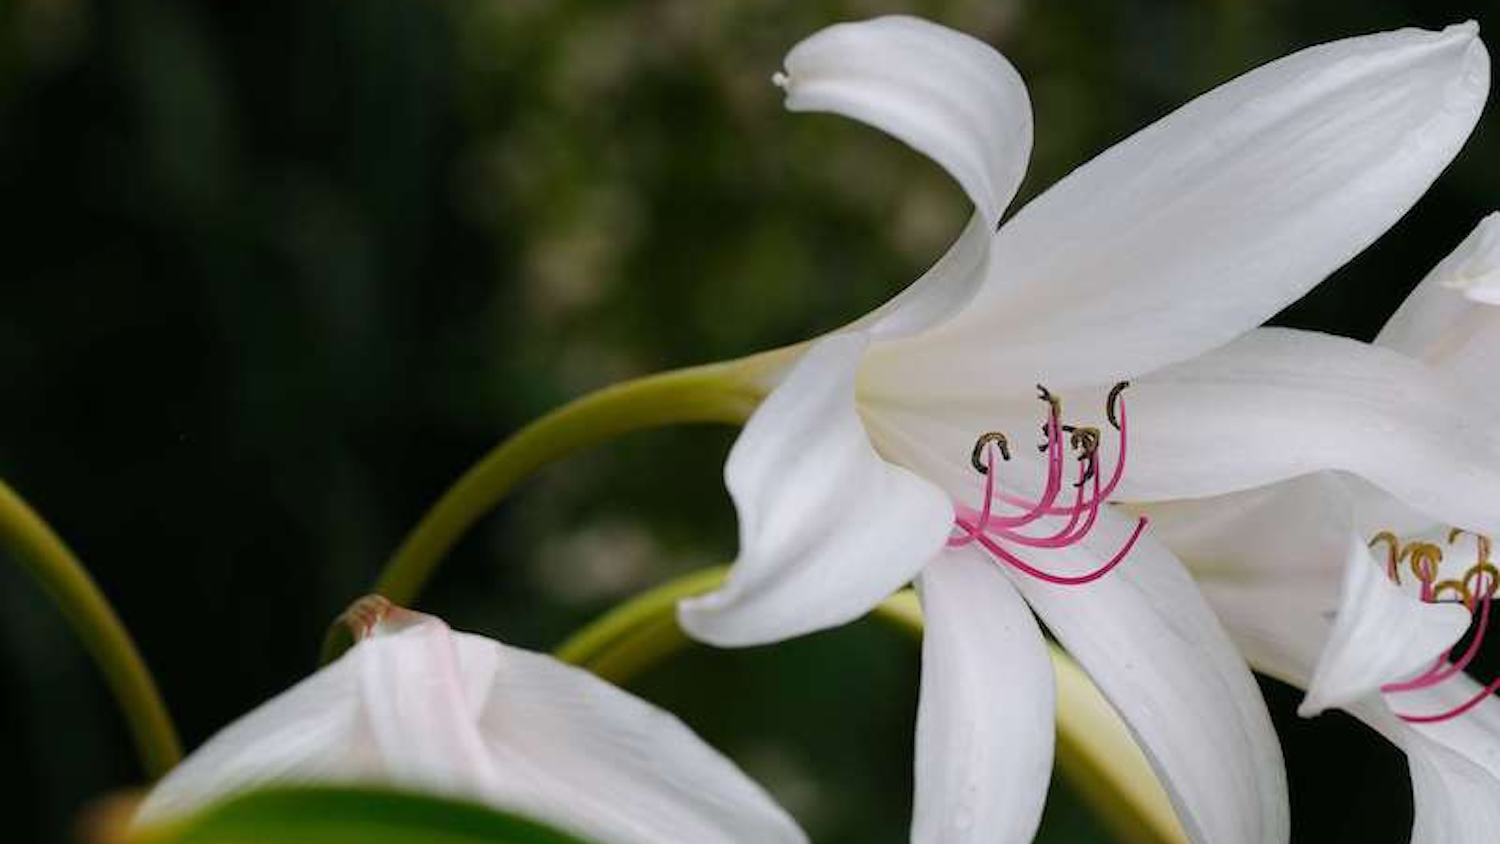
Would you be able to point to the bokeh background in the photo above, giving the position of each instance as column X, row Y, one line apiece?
column 275, row 273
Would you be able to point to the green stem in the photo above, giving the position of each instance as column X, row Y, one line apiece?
column 722, row 392
column 44, row 556
column 1094, row 748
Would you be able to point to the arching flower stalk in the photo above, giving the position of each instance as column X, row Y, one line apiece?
column 859, row 472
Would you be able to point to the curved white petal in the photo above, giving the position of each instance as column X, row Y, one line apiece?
column 944, row 290
column 421, row 712
column 1150, row 642
column 1287, row 535
column 1455, row 764
column 398, row 709
column 1474, row 734
column 1455, row 800
column 1450, row 319
column 827, row 528
column 1381, row 634
column 421, row 707
column 984, row 724
column 312, row 732
column 1279, row 403
column 1270, row 561
column 576, row 752
column 946, row 94
column 1204, row 224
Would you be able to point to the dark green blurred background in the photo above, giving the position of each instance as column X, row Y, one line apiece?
column 275, row 273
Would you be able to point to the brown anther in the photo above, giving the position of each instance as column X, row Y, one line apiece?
column 1054, row 402
column 362, row 615
column 1085, row 440
column 976, row 458
column 1109, row 403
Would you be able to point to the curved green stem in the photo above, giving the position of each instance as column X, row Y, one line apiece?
column 1094, row 748
column 721, row 392
column 44, row 556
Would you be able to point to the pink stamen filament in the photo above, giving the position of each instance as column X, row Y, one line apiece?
column 1033, row 509
column 1440, row 672
column 1100, row 498
column 989, row 530
column 1456, row 711
column 1061, row 538
column 1444, row 669
column 1060, row 580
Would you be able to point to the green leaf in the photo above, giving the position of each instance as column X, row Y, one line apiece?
column 324, row 815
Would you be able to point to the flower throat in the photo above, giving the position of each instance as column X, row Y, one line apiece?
column 999, row 532
column 1474, row 590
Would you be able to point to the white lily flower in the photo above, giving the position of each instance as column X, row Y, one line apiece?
column 1341, row 589
column 858, row 472
column 415, row 705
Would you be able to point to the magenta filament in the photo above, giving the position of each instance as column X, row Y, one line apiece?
column 1000, row 533
column 1478, row 600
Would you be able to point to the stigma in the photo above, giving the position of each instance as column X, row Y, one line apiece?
column 1474, row 589
column 1005, row 522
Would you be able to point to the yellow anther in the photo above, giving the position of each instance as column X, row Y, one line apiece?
column 1481, row 588
column 1480, row 540
column 1393, row 552
column 977, row 456
column 1425, row 559
column 1458, row 587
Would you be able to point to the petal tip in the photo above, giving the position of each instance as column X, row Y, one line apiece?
column 699, row 617
column 1467, row 29
column 1312, row 706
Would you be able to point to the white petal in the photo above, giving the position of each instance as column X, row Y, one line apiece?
column 1270, row 562
column 1450, row 319
column 1288, row 535
column 1153, row 646
column 984, row 725
column 944, row 290
column 1279, row 403
column 947, row 94
column 1381, row 634
column 578, row 753
column 1474, row 734
column 1204, row 224
column 420, row 707
column 312, row 732
column 1474, row 267
column 1455, row 764
column 421, row 704
column 397, row 708
column 1455, row 800
column 827, row 528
